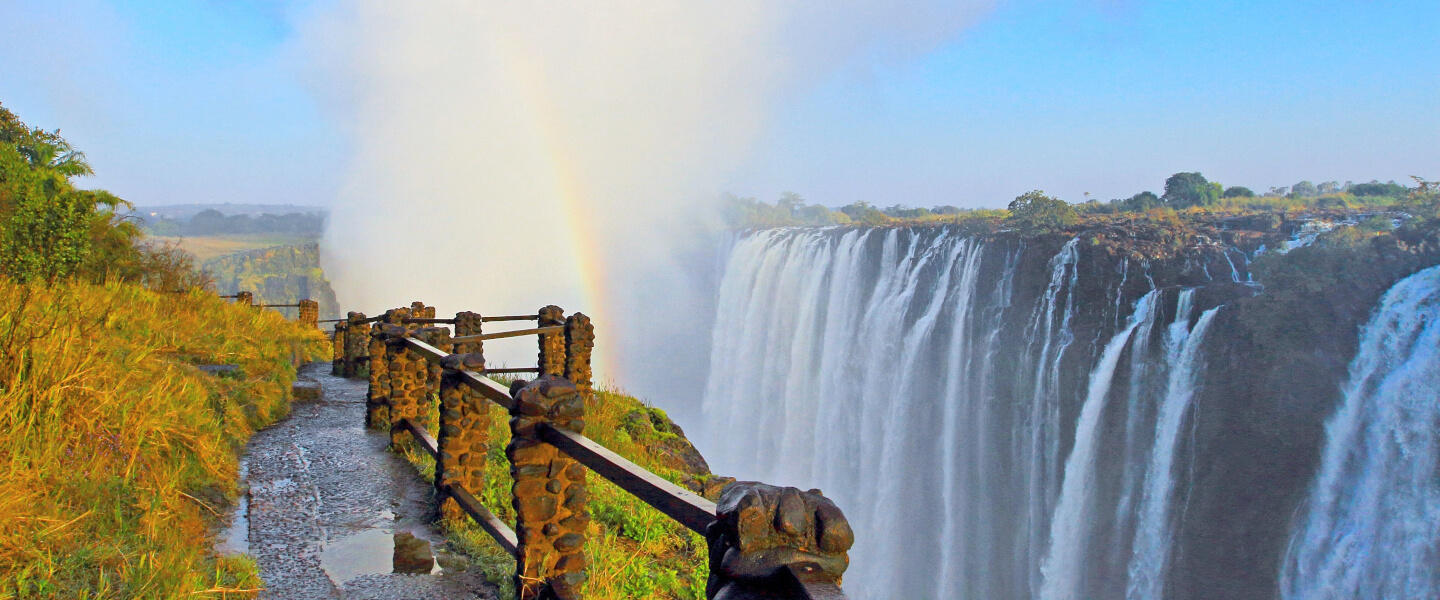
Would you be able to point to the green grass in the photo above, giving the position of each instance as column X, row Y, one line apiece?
column 635, row 551
column 117, row 455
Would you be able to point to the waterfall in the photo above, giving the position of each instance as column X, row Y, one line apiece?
column 1152, row 536
column 943, row 400
column 1069, row 530
column 1371, row 526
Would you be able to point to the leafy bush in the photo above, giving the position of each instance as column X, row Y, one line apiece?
column 1183, row 190
column 1033, row 213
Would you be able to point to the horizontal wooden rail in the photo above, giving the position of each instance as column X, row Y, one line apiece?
column 426, row 441
column 279, row 306
column 429, row 321
column 507, row 334
column 484, row 319
column 485, row 386
column 487, row 520
column 520, row 370
column 676, row 502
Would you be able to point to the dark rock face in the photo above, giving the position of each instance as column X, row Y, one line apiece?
column 1275, row 356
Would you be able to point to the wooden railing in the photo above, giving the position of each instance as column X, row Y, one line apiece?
column 308, row 311
column 764, row 541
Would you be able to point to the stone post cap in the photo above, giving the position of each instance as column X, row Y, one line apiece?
column 354, row 318
column 470, row 361
column 435, row 336
column 760, row 529
column 549, row 398
column 389, row 332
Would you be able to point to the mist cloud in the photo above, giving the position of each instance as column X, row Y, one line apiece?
column 510, row 155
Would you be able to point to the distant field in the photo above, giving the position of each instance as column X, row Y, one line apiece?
column 206, row 248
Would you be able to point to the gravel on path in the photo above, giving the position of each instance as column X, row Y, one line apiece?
column 334, row 515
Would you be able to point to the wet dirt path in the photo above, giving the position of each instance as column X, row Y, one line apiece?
column 333, row 515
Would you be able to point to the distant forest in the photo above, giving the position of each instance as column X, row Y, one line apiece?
column 213, row 222
column 1182, row 191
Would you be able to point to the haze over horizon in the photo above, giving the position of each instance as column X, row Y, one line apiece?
column 1105, row 96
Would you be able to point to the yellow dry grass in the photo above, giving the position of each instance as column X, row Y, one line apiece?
column 116, row 453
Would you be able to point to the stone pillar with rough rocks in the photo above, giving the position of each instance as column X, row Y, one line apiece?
column 549, row 493
column 463, row 433
column 407, row 373
column 337, row 345
column 552, row 345
column 468, row 323
column 245, row 298
column 357, row 343
column 766, row 539
column 439, row 337
column 308, row 313
column 579, row 343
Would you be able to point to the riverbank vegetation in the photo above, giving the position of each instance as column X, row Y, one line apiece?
column 118, row 454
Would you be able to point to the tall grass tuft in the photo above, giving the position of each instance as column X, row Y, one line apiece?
column 117, row 455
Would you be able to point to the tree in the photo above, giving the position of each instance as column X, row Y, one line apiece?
column 1183, row 190
column 1238, row 191
column 789, row 202
column 1304, row 189
column 1034, row 213
column 1140, row 202
column 1375, row 188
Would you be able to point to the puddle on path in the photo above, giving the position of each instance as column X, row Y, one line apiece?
column 235, row 538
column 376, row 551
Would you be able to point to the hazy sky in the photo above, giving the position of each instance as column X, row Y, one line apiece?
column 213, row 101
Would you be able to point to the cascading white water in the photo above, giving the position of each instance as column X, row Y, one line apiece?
column 1153, row 526
column 902, row 372
column 1069, row 530
column 1371, row 527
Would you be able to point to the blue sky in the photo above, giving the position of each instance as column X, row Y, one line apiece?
column 208, row 101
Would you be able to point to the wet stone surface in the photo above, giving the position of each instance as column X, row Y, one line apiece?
column 333, row 514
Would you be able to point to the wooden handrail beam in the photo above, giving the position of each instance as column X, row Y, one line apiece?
column 484, row 319
column 427, row 442
column 487, row 520
column 678, row 503
column 506, row 334
column 489, row 388
column 431, row 353
column 279, row 306
column 520, row 370
column 430, row 321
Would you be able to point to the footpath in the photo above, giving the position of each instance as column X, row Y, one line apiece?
column 332, row 514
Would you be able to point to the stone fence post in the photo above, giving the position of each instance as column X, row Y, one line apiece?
column 552, row 345
column 463, row 435
column 245, row 298
column 766, row 540
column 337, row 345
column 469, row 323
column 549, row 493
column 439, row 337
column 308, row 313
column 406, row 372
column 357, row 344
column 579, row 343
column 377, row 399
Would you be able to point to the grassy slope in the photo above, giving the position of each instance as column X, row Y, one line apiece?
column 635, row 551
column 116, row 454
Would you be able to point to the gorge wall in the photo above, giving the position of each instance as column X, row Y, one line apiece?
column 1115, row 412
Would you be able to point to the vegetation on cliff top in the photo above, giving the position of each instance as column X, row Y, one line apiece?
column 1188, row 194
column 118, row 453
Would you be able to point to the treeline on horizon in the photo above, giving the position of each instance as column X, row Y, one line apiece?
column 1182, row 191
column 51, row 229
column 213, row 222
